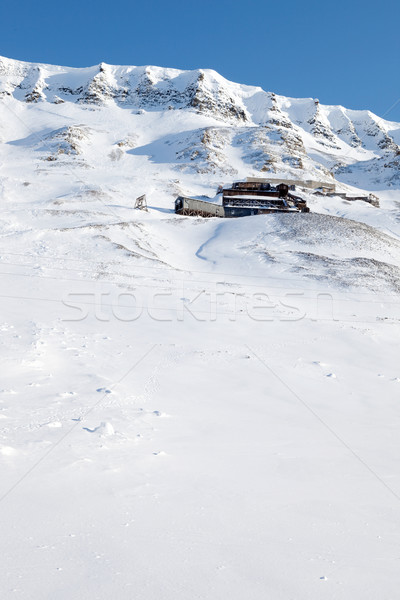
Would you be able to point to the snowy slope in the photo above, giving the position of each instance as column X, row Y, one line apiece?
column 193, row 408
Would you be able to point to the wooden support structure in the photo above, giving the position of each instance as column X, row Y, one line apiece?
column 141, row 202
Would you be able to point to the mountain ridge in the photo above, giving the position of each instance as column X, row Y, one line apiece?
column 296, row 137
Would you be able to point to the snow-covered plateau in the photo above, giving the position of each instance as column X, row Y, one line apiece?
column 194, row 408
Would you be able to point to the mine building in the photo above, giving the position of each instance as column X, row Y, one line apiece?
column 242, row 199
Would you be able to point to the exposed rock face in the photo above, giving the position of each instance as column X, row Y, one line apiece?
column 66, row 142
column 347, row 132
column 99, row 89
column 206, row 100
column 205, row 152
column 393, row 166
column 376, row 130
column 320, row 128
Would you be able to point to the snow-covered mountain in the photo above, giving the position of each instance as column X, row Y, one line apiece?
column 215, row 125
column 194, row 408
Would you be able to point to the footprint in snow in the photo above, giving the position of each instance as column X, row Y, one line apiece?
column 158, row 413
column 104, row 390
column 104, row 429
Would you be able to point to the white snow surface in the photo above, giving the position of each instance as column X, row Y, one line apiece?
column 194, row 408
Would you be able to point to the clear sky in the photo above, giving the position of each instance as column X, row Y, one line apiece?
column 342, row 52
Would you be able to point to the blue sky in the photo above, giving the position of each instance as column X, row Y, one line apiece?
column 342, row 52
